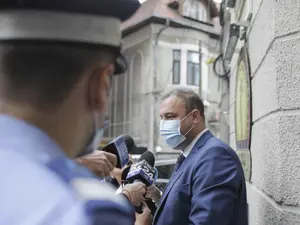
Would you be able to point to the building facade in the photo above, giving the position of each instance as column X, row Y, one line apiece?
column 167, row 44
column 264, row 57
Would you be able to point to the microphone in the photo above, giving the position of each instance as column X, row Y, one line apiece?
column 130, row 145
column 127, row 169
column 142, row 171
column 120, row 147
column 156, row 174
column 124, row 174
column 149, row 202
column 149, row 157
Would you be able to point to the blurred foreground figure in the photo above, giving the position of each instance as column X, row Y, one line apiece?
column 56, row 62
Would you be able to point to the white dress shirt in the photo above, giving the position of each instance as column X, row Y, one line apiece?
column 189, row 148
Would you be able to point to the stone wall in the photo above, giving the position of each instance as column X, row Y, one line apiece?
column 274, row 52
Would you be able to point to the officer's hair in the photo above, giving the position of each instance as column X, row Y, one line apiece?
column 190, row 98
column 42, row 74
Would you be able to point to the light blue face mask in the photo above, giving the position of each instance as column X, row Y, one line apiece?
column 98, row 135
column 96, row 138
column 170, row 131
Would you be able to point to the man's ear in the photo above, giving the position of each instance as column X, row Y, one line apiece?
column 196, row 116
column 99, row 88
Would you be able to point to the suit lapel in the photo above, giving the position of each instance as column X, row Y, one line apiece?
column 175, row 176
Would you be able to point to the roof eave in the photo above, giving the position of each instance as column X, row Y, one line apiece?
column 159, row 20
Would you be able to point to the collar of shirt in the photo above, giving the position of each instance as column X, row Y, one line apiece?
column 189, row 148
column 28, row 140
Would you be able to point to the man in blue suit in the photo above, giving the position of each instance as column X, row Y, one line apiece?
column 207, row 186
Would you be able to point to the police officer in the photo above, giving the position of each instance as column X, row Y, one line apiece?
column 56, row 62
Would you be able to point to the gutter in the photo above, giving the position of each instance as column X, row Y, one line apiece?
column 154, row 88
column 189, row 24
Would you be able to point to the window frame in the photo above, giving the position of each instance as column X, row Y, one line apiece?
column 188, row 61
column 175, row 61
column 196, row 10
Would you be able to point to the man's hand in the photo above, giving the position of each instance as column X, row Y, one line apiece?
column 153, row 193
column 135, row 192
column 99, row 162
column 145, row 218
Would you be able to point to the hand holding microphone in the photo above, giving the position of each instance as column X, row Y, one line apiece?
column 153, row 193
column 141, row 171
column 115, row 154
column 135, row 192
column 145, row 218
column 120, row 147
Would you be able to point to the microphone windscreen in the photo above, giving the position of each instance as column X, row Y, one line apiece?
column 148, row 157
column 129, row 142
column 118, row 147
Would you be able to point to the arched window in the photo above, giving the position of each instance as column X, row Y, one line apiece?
column 195, row 9
column 202, row 12
column 186, row 8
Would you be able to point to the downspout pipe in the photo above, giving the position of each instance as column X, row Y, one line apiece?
column 167, row 24
column 156, row 92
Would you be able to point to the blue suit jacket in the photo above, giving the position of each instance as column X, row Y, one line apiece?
column 208, row 189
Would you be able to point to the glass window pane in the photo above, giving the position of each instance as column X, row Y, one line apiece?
column 194, row 10
column 196, row 75
column 190, row 73
column 186, row 8
column 200, row 14
column 176, row 54
column 193, row 57
column 204, row 16
column 176, row 72
column 176, row 66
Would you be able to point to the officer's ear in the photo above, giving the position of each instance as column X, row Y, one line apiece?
column 99, row 85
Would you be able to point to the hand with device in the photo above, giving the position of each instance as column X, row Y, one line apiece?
column 119, row 147
column 142, row 171
column 153, row 193
column 116, row 173
column 135, row 193
column 115, row 154
column 145, row 217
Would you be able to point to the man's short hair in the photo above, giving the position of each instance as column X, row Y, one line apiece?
column 190, row 98
column 42, row 74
